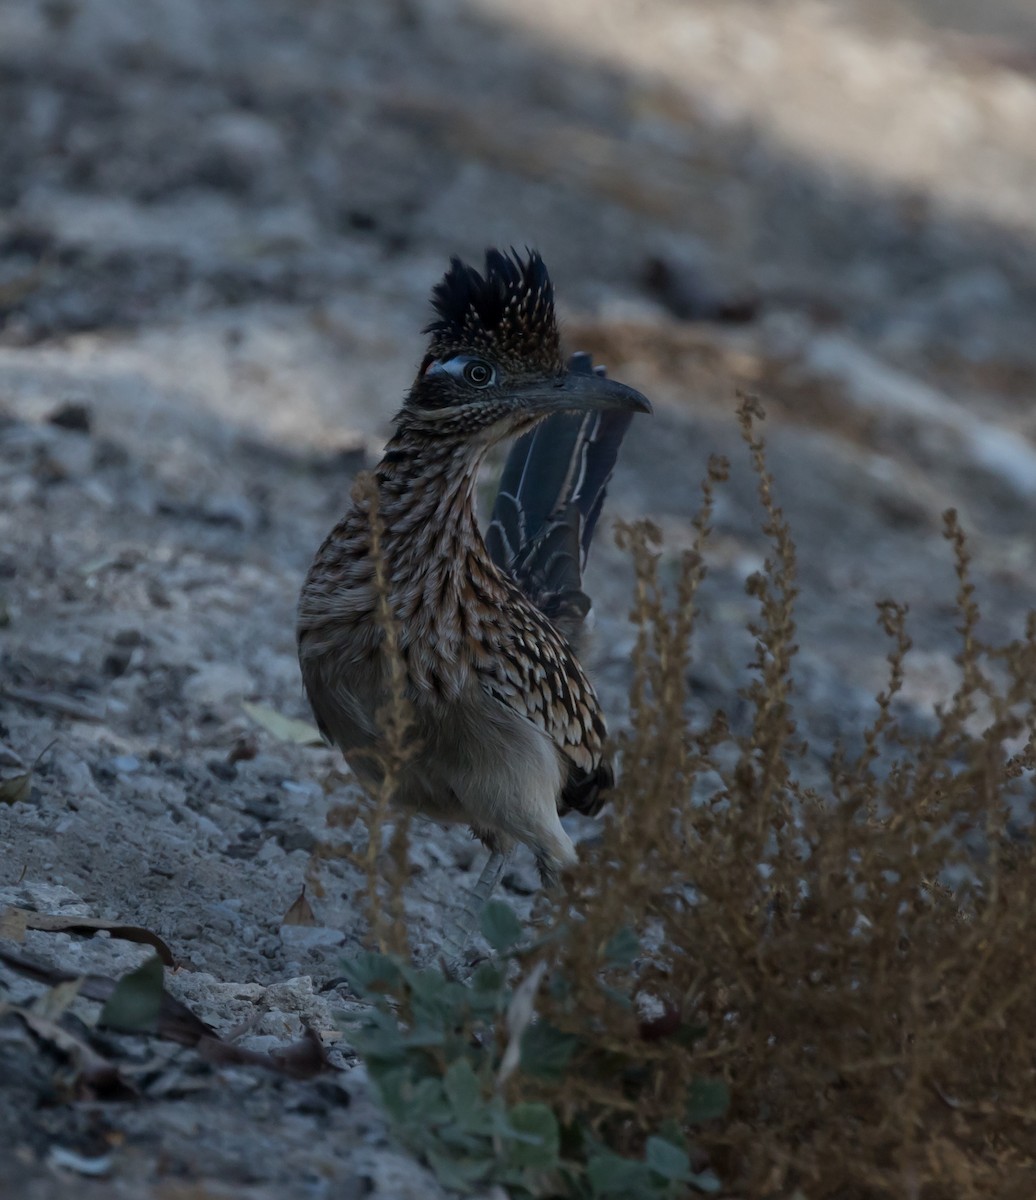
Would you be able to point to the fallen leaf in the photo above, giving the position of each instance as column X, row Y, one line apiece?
column 65, row 706
column 93, row 1070
column 300, row 912
column 284, row 729
column 299, row 1060
column 175, row 1022
column 136, row 1002
column 16, row 789
column 13, row 291
column 54, row 1004
column 14, row 922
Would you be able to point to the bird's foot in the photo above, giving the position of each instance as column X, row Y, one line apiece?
column 459, row 957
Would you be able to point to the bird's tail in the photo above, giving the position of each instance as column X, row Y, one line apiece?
column 550, row 498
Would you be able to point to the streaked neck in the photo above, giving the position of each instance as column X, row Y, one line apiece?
column 426, row 500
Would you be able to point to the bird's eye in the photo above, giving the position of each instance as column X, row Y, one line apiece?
column 478, row 373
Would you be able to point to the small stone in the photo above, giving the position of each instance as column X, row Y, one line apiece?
column 62, row 459
column 243, row 750
column 299, row 789
column 236, row 512
column 310, row 937
column 110, row 454
column 218, row 685
column 263, row 808
column 292, row 836
column 74, row 416
column 117, row 663
column 247, row 846
column 250, row 141
column 157, row 594
column 8, row 758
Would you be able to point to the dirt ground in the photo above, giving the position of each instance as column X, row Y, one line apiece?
column 218, row 227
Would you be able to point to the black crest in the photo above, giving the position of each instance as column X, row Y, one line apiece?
column 506, row 314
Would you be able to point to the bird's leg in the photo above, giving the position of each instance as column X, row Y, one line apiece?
column 460, row 929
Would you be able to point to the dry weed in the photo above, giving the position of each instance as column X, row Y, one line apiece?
column 852, row 961
column 857, row 969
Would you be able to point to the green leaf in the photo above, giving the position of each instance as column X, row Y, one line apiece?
column 459, row 1173
column 421, row 1038
column 487, row 978
column 546, row 1050
column 427, row 1104
column 534, row 1140
column 559, row 987
column 668, row 1160
column 379, row 1040
column 707, row 1099
column 487, row 991
column 616, row 997
column 435, row 1001
column 393, row 1085
column 622, row 948
column 500, row 927
column 706, row 1181
column 380, row 1051
column 135, row 1003
column 426, row 984
column 463, row 1090
column 460, row 1139
column 671, row 1131
column 370, row 975
column 611, row 1175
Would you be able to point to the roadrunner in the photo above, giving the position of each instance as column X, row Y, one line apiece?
column 508, row 730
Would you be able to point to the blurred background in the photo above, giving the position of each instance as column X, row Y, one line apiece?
column 219, row 224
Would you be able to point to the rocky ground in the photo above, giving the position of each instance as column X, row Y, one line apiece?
column 218, row 228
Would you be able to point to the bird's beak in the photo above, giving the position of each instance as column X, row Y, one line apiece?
column 574, row 392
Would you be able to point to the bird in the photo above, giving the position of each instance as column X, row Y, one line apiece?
column 507, row 728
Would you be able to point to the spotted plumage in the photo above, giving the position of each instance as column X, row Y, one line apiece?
column 508, row 727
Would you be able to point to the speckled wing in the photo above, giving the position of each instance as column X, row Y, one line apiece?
column 537, row 675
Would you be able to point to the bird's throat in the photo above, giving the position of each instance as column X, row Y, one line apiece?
column 426, row 505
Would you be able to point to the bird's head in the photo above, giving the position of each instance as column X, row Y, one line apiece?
column 493, row 366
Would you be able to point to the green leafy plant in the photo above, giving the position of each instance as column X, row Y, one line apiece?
column 469, row 1077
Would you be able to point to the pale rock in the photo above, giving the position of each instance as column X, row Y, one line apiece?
column 218, row 685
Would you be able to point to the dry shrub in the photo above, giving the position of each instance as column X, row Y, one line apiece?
column 846, row 959
column 852, row 961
